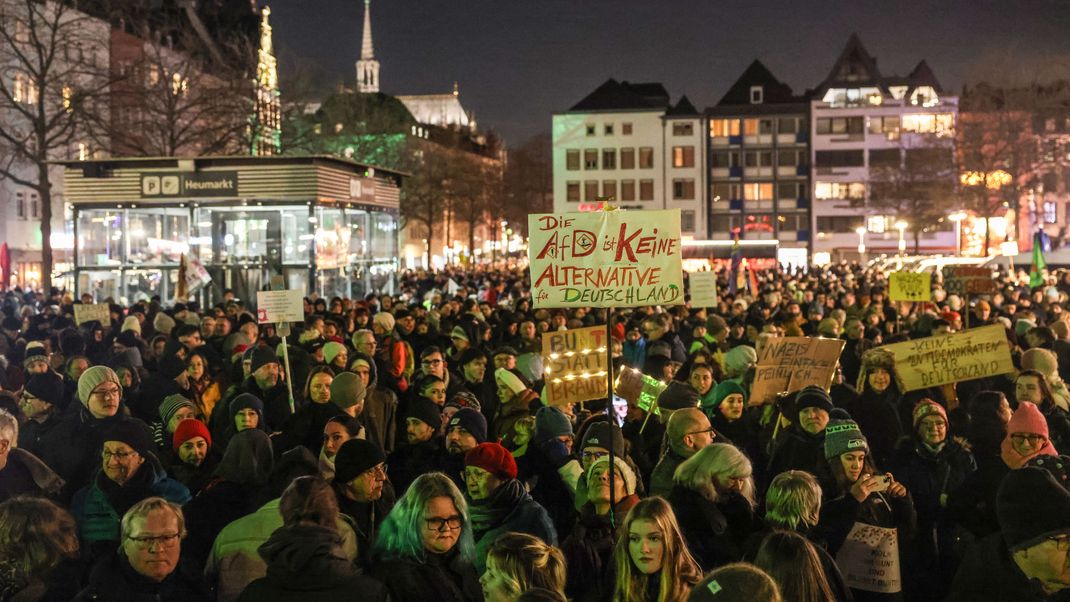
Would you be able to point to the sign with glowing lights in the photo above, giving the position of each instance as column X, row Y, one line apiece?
column 606, row 259
column 941, row 360
column 910, row 286
column 787, row 364
column 639, row 389
column 576, row 365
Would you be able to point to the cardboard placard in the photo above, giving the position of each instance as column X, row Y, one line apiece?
column 640, row 389
column 941, row 360
column 910, row 286
column 576, row 365
column 787, row 364
column 703, row 289
column 968, row 280
column 95, row 311
column 869, row 559
column 273, row 307
column 606, row 259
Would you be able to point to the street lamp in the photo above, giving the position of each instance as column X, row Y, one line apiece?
column 861, row 231
column 957, row 217
column 901, row 226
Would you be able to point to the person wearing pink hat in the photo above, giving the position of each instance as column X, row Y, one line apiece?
column 1027, row 436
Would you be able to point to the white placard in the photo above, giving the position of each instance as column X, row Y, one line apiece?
column 95, row 311
column 703, row 289
column 273, row 307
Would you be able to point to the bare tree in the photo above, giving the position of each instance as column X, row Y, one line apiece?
column 423, row 197
column 53, row 74
column 528, row 180
column 916, row 183
column 470, row 190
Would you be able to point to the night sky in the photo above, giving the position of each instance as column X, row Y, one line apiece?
column 519, row 60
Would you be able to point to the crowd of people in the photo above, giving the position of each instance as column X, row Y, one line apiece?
column 401, row 447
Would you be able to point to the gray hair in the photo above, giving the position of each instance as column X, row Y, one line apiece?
column 717, row 460
column 142, row 509
column 10, row 425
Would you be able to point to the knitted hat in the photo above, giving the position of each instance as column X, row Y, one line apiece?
column 1041, row 360
column 471, row 421
column 928, row 407
column 246, row 401
column 354, row 457
column 383, row 320
column 426, row 411
column 459, row 333
column 1022, row 325
column 469, row 355
column 331, row 351
column 1026, row 419
column 35, row 352
column 621, row 466
column 812, row 396
column 722, row 391
column 188, row 429
column 878, row 357
column 1031, row 507
column 551, row 422
column 47, row 386
column 347, row 390
column 171, row 404
column 131, row 323
column 738, row 360
column 493, row 458
column 504, row 377
column 604, row 435
column 506, row 350
column 92, row 378
column 163, row 323
column 262, row 356
column 1057, row 466
column 677, row 396
column 131, row 432
column 842, row 436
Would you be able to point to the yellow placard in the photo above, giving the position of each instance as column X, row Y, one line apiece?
column 910, row 286
column 940, row 360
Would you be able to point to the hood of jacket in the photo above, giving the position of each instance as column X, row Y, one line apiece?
column 306, row 557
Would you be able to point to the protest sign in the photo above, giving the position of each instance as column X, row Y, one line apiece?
column 637, row 388
column 703, row 289
column 940, row 360
column 273, row 307
column 606, row 259
column 575, row 365
column 910, row 286
column 968, row 280
column 869, row 559
column 787, row 364
column 84, row 312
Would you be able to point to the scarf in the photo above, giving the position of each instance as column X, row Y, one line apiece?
column 491, row 512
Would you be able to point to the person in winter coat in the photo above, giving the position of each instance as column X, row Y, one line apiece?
column 930, row 464
column 43, row 401
column 305, row 427
column 714, row 500
column 364, row 493
column 423, row 445
column 1031, row 386
column 130, row 472
column 518, row 563
column 498, row 502
column 862, row 496
column 802, row 445
column 193, row 460
column 22, row 473
column 244, row 412
column 380, row 404
column 728, row 413
column 306, row 559
column 148, row 566
column 550, row 449
column 877, row 409
column 516, row 397
column 651, row 561
column 1026, row 561
column 173, row 409
column 266, row 384
column 425, row 550
column 687, row 432
column 589, row 547
column 245, row 467
column 72, row 448
column 170, row 378
column 972, row 506
column 1027, row 437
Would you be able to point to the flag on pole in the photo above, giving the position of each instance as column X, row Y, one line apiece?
column 735, row 272
column 752, row 280
column 1036, row 272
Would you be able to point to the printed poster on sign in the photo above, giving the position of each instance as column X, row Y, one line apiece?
column 787, row 364
column 273, row 307
column 869, row 559
column 940, row 360
column 703, row 289
column 606, row 259
column 94, row 311
column 910, row 286
column 576, row 367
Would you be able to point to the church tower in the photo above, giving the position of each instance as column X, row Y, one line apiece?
column 367, row 66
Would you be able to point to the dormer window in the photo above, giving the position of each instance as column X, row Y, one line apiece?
column 757, row 95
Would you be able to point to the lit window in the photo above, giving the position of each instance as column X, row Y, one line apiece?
column 683, row 129
column 720, row 128
column 83, row 151
column 1050, row 212
column 839, row 190
column 683, row 156
column 758, row 191
column 68, row 93
column 25, row 89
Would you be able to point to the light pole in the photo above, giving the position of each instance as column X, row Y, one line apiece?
column 957, row 217
column 901, row 226
column 861, row 231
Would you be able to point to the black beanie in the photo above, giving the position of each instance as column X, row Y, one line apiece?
column 1031, row 506
column 354, row 457
column 171, row 366
column 131, row 432
column 678, row 396
column 811, row 396
column 47, row 386
column 604, row 434
column 426, row 411
column 262, row 357
column 469, row 355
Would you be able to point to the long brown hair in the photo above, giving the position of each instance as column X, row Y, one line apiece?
column 793, row 563
column 528, row 562
column 679, row 572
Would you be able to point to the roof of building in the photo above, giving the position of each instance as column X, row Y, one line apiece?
column 613, row 96
column 774, row 91
column 683, row 108
column 856, row 68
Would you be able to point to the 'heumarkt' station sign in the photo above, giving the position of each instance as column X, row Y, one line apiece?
column 194, row 184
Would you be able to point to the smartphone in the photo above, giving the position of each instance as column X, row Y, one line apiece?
column 881, row 483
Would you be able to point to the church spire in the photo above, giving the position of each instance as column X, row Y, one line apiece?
column 367, row 66
column 265, row 123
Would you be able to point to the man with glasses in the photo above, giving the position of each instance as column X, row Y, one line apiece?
column 129, row 472
column 1029, row 558
column 364, row 493
column 688, row 431
column 148, row 565
column 42, row 402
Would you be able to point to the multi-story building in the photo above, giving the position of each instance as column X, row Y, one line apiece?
column 864, row 123
column 759, row 137
column 627, row 142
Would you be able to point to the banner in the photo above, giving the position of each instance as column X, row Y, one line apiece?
column 606, row 259
column 576, row 365
column 869, row 559
column 910, row 286
column 940, row 360
column 968, row 280
column 95, row 311
column 273, row 307
column 703, row 289
column 787, row 364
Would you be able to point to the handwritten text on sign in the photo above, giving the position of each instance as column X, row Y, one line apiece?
column 606, row 259
column 576, row 365
column 910, row 286
column 932, row 361
column 787, row 364
column 94, row 311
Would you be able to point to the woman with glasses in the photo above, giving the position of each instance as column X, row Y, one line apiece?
column 424, row 550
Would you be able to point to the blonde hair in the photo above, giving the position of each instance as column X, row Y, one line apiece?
column 679, row 571
column 716, row 461
column 526, row 562
column 142, row 509
column 793, row 501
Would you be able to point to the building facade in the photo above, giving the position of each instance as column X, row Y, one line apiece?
column 628, row 143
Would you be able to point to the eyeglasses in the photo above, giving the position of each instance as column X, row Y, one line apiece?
column 163, row 541
column 588, row 455
column 377, row 470
column 1032, row 439
column 710, row 431
column 431, row 362
column 120, row 456
column 443, row 524
column 102, row 393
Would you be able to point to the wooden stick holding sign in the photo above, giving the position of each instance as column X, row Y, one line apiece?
column 281, row 307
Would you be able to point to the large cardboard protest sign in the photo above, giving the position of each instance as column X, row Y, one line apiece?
column 87, row 312
column 787, row 364
column 606, row 259
column 968, row 280
column 940, row 360
column 910, row 286
column 703, row 289
column 576, row 365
